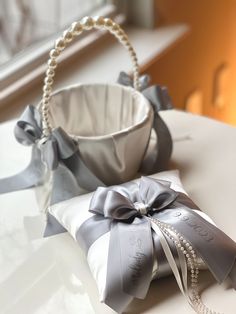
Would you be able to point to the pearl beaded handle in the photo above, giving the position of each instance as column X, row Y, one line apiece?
column 74, row 30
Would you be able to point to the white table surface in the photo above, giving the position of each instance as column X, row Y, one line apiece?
column 50, row 275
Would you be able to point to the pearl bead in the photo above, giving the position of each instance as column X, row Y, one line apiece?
column 108, row 22
column 99, row 21
column 46, row 95
column 67, row 36
column 115, row 28
column 52, row 63
column 76, row 28
column 54, row 53
column 50, row 72
column 48, row 80
column 87, row 23
column 60, row 44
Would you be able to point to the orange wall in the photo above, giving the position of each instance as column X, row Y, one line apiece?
column 193, row 62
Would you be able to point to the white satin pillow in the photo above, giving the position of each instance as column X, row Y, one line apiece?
column 72, row 213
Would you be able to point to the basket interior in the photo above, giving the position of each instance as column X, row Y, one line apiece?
column 98, row 109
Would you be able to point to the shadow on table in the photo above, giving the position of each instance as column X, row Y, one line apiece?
column 164, row 289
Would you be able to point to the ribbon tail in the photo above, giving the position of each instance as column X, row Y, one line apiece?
column 130, row 263
column 30, row 177
column 159, row 148
column 64, row 187
column 169, row 257
column 215, row 248
column 71, row 178
column 86, row 179
column 232, row 275
column 114, row 296
column 53, row 227
column 180, row 276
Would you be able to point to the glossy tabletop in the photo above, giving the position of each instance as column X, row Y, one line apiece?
column 50, row 275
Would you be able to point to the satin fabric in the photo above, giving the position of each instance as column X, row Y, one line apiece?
column 112, row 124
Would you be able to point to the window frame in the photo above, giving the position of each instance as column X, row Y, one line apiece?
column 29, row 65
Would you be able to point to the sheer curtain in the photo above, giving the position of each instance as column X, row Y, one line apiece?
column 26, row 22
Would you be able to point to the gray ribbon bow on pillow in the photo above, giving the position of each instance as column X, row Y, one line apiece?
column 126, row 211
column 152, row 196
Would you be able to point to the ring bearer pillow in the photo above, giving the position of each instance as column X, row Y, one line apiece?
column 143, row 230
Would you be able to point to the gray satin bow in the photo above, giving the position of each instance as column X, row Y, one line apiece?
column 152, row 196
column 156, row 94
column 58, row 146
column 157, row 160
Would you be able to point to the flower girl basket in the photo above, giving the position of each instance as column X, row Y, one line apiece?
column 91, row 135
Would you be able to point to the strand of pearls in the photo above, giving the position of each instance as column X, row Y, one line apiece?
column 191, row 258
column 87, row 23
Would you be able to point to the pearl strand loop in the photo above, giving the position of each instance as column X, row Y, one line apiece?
column 76, row 28
column 185, row 248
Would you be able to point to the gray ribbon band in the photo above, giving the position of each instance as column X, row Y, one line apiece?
column 123, row 210
column 157, row 159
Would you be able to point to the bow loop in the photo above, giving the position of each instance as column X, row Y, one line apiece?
column 119, row 207
column 156, row 194
column 28, row 129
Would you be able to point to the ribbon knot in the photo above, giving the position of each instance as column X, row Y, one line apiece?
column 141, row 208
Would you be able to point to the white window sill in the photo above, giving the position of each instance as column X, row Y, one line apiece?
column 105, row 64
